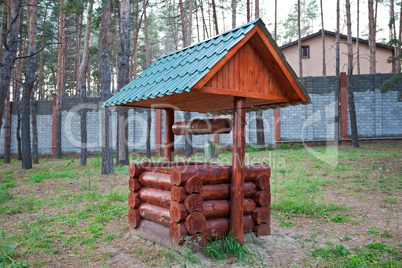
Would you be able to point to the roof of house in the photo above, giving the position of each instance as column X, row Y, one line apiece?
column 180, row 71
column 333, row 34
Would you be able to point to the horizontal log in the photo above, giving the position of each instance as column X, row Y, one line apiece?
column 262, row 214
column 248, row 224
column 213, row 209
column 178, row 212
column 220, row 227
column 134, row 218
column 193, row 202
column 156, row 197
column 134, row 170
column 134, row 200
column 134, row 185
column 161, row 167
column 193, row 185
column 195, row 222
column 262, row 229
column 195, row 242
column 211, row 173
column 203, row 126
column 251, row 171
column 154, row 232
column 156, row 180
column 177, row 233
column 178, row 194
column 155, row 213
column 222, row 191
column 262, row 182
column 262, row 198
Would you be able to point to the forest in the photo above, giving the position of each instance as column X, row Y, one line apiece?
column 92, row 48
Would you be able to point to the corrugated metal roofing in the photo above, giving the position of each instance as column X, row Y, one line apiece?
column 178, row 72
column 181, row 70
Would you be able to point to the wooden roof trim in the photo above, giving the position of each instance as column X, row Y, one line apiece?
column 280, row 62
column 222, row 62
column 254, row 95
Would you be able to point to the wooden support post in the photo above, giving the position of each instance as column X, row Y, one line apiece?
column 158, row 131
column 277, row 124
column 169, row 137
column 239, row 143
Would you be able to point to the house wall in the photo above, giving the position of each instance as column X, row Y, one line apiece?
column 313, row 65
column 379, row 114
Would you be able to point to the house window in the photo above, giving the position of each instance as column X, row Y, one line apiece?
column 305, row 52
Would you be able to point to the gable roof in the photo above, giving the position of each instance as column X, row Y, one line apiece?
column 333, row 34
column 179, row 72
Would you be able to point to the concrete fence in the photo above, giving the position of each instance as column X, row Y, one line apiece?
column 379, row 114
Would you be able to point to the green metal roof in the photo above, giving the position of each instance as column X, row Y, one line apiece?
column 181, row 70
column 178, row 72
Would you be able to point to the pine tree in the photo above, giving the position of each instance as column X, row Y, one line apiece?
column 104, row 75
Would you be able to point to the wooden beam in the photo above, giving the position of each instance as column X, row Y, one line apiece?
column 169, row 137
column 158, row 131
column 239, row 142
column 249, row 94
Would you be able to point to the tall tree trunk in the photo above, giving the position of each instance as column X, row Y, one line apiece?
column 351, row 100
column 7, row 128
column 82, row 86
column 147, row 63
column 60, row 78
column 215, row 17
column 3, row 19
column 276, row 20
column 398, row 62
column 391, row 20
column 234, row 9
column 41, row 66
column 257, row 9
column 357, row 38
column 35, row 149
column 337, row 67
column 324, row 65
column 123, row 79
column 372, row 34
column 78, row 37
column 28, row 86
column 204, row 25
column 10, row 53
column 189, row 138
column 248, row 10
column 190, row 22
column 299, row 40
column 136, row 30
column 183, row 23
column 18, row 85
column 104, row 75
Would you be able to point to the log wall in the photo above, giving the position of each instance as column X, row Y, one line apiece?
column 187, row 203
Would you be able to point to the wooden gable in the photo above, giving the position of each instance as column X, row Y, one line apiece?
column 254, row 71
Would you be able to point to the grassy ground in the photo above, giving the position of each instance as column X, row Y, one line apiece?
column 342, row 209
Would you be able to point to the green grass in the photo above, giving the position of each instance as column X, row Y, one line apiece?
column 64, row 208
column 227, row 247
column 372, row 255
column 338, row 219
